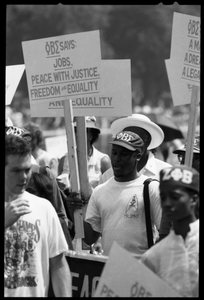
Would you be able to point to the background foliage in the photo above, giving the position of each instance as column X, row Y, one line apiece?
column 141, row 33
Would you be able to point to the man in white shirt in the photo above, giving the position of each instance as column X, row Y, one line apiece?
column 31, row 214
column 116, row 208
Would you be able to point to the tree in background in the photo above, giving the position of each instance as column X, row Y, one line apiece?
column 141, row 33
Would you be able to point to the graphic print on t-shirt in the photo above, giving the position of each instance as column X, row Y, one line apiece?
column 20, row 254
column 131, row 210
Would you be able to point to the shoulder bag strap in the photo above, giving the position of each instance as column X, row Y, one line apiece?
column 147, row 211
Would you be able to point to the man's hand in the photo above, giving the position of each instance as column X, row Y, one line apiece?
column 75, row 201
column 15, row 209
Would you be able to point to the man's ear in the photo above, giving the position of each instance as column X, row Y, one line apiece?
column 138, row 155
column 195, row 199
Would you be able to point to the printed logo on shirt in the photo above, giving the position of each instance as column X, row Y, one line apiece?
column 20, row 254
column 132, row 208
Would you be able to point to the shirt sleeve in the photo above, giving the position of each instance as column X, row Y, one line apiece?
column 155, row 203
column 92, row 214
column 56, row 239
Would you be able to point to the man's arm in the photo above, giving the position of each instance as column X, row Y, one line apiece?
column 61, row 276
column 90, row 235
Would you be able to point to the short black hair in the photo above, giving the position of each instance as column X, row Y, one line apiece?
column 95, row 135
column 15, row 145
column 43, row 185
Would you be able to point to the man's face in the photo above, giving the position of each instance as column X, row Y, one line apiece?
column 17, row 173
column 176, row 203
column 123, row 162
column 181, row 157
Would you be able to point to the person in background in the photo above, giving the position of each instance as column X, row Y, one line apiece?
column 165, row 222
column 46, row 238
column 42, row 157
column 151, row 134
column 196, row 154
column 97, row 161
column 175, row 259
column 41, row 185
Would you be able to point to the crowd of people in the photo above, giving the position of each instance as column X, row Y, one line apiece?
column 39, row 207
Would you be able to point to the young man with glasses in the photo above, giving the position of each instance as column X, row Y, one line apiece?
column 196, row 154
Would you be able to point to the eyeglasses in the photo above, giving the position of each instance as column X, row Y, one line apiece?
column 181, row 157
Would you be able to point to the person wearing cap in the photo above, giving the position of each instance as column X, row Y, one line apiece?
column 116, row 209
column 176, row 257
column 165, row 223
column 196, row 154
column 97, row 161
column 153, row 137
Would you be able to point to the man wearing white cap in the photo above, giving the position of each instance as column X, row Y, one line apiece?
column 152, row 135
column 116, row 208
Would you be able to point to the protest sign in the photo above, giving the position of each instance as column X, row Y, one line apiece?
column 73, row 165
column 184, row 66
column 86, row 271
column 63, row 66
column 185, row 48
column 125, row 276
column 114, row 100
column 180, row 90
column 13, row 77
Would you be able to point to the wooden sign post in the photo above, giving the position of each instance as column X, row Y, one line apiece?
column 81, row 140
column 192, row 126
column 73, row 164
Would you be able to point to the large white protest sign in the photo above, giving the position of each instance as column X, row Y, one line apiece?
column 185, row 48
column 115, row 100
column 180, row 90
column 125, row 276
column 67, row 65
column 13, row 77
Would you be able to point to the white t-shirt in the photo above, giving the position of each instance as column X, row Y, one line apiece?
column 176, row 261
column 29, row 243
column 116, row 210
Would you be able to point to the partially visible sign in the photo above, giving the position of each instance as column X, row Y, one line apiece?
column 63, row 66
column 115, row 100
column 13, row 77
column 185, row 48
column 86, row 271
column 180, row 91
column 125, row 276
